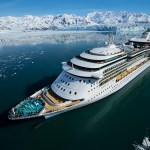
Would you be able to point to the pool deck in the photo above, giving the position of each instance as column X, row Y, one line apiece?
column 53, row 108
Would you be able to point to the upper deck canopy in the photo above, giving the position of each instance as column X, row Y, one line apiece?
column 106, row 51
column 145, row 38
column 102, row 53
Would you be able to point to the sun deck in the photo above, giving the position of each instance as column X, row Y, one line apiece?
column 55, row 99
column 50, row 108
column 55, row 103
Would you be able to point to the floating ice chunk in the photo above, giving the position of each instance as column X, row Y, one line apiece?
column 13, row 74
column 27, row 58
column 4, row 76
column 41, row 52
column 146, row 142
column 144, row 146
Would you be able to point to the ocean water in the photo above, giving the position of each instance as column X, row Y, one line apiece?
column 114, row 123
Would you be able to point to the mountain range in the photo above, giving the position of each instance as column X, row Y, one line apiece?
column 92, row 21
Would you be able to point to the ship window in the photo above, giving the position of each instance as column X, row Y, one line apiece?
column 68, row 84
column 61, row 88
column 64, row 90
column 70, row 92
column 89, row 81
column 80, row 80
column 72, row 78
column 75, row 93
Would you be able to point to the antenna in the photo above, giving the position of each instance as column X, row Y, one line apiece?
column 72, row 66
column 111, row 38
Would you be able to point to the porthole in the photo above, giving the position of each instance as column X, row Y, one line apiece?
column 75, row 93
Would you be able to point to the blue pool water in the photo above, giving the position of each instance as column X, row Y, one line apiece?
column 29, row 107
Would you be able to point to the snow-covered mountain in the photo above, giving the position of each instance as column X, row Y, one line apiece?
column 92, row 21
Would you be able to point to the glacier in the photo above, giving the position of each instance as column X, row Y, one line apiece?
column 95, row 21
column 64, row 28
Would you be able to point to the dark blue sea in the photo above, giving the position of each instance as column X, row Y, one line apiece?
column 114, row 123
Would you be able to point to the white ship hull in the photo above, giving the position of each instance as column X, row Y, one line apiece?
column 85, row 79
column 105, row 90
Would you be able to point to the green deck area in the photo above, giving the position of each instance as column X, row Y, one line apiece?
column 31, row 106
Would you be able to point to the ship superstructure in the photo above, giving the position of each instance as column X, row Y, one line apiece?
column 86, row 78
column 143, row 40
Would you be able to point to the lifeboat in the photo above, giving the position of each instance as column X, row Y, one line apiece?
column 119, row 77
column 130, row 70
column 125, row 73
column 135, row 67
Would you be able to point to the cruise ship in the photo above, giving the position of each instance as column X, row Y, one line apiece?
column 87, row 78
